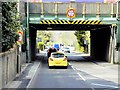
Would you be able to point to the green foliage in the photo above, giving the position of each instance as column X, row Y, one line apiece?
column 10, row 25
column 45, row 37
column 80, row 37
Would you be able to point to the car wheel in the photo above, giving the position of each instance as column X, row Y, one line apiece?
column 66, row 67
column 50, row 67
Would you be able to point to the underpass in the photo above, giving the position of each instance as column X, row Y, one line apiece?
column 100, row 36
column 100, row 21
column 101, row 24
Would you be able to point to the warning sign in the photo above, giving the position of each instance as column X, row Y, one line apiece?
column 71, row 13
column 20, row 33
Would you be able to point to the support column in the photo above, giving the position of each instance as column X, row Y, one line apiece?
column 118, row 30
column 100, row 40
column 118, row 40
column 32, row 42
column 119, row 53
column 112, row 51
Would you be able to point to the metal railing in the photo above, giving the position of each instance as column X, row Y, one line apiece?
column 81, row 8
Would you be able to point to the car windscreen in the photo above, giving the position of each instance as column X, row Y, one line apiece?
column 66, row 48
column 58, row 55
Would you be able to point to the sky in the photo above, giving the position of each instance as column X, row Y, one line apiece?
column 74, row 0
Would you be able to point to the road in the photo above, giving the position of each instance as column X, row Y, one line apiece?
column 78, row 75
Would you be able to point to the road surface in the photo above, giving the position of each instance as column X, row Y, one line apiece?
column 73, row 77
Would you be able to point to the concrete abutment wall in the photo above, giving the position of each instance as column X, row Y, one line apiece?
column 32, row 41
column 103, row 43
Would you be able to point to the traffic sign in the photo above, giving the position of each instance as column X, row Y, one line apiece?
column 20, row 33
column 71, row 13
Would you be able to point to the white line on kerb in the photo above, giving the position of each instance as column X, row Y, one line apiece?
column 104, row 85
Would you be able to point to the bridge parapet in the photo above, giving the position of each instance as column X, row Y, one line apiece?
column 56, row 8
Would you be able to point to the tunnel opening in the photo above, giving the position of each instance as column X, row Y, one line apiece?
column 69, row 42
column 99, row 37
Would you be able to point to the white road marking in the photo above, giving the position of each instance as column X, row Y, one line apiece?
column 77, row 73
column 80, row 75
column 104, row 85
column 73, row 68
column 33, row 76
column 69, row 63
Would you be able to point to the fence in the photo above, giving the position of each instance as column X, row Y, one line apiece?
column 109, row 9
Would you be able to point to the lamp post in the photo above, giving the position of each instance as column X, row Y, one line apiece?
column 19, row 46
column 27, row 35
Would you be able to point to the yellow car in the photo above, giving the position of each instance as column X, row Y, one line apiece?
column 57, row 59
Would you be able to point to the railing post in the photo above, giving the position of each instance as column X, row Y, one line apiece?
column 70, row 5
column 83, row 10
column 112, row 10
column 42, row 10
column 56, row 9
column 98, row 10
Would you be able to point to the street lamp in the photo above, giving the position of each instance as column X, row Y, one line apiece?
column 27, row 33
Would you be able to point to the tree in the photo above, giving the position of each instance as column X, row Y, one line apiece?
column 10, row 25
column 42, row 38
column 80, row 37
column 83, row 38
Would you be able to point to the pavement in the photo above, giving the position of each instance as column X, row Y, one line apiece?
column 98, row 70
column 22, row 80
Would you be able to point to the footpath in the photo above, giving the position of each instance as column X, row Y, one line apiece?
column 94, row 71
column 27, row 73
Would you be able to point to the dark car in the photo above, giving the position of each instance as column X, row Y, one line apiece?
column 50, row 50
column 66, row 50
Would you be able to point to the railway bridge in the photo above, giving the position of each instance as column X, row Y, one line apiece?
column 101, row 19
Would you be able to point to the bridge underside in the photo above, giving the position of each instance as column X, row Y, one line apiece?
column 67, row 26
column 100, row 37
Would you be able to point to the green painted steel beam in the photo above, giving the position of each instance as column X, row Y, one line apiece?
column 104, row 20
column 109, row 21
